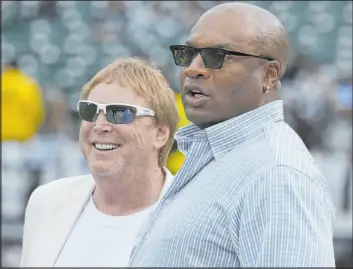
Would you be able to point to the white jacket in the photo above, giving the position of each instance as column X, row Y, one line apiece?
column 51, row 213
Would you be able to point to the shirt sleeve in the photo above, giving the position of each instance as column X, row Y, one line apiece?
column 287, row 221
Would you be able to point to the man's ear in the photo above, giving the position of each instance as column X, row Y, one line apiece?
column 162, row 136
column 273, row 74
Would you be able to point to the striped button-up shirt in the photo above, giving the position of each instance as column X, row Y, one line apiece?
column 248, row 194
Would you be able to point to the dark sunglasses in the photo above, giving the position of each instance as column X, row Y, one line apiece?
column 212, row 57
column 115, row 113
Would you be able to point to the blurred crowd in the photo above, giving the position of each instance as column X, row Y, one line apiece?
column 51, row 48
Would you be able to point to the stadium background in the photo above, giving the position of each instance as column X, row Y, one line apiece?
column 62, row 44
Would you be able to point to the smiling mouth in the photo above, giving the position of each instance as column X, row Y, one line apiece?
column 105, row 147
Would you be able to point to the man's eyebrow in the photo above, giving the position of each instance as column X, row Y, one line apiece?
column 226, row 46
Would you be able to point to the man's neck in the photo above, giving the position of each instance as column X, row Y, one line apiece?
column 128, row 192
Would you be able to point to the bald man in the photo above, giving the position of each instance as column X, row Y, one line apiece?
column 249, row 194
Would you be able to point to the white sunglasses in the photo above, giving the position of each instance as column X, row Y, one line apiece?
column 116, row 113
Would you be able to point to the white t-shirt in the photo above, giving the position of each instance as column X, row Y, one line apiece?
column 100, row 240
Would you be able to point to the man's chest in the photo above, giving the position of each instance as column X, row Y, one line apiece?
column 191, row 227
column 99, row 244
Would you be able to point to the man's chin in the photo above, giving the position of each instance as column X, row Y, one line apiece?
column 199, row 119
column 105, row 171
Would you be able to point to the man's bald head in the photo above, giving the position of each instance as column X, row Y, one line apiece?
column 260, row 29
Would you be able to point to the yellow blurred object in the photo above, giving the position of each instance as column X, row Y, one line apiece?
column 22, row 106
column 183, row 120
column 175, row 161
column 176, row 158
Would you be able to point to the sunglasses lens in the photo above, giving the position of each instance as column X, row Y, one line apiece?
column 88, row 111
column 183, row 56
column 120, row 114
column 212, row 57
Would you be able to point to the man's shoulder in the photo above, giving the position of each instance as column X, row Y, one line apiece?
column 60, row 187
column 279, row 145
column 67, row 182
column 53, row 197
column 288, row 149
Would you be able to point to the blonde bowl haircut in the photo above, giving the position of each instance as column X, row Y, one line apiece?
column 147, row 82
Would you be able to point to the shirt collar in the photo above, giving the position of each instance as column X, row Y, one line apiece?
column 225, row 135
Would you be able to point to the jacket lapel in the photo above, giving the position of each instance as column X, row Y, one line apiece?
column 63, row 219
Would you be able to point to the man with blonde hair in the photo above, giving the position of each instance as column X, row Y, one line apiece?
column 129, row 118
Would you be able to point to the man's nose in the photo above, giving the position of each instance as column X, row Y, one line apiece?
column 197, row 69
column 101, row 123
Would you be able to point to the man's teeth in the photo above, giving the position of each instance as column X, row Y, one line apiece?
column 196, row 94
column 105, row 146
